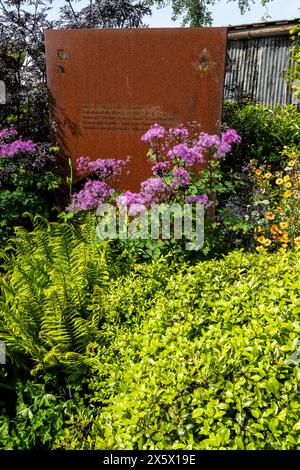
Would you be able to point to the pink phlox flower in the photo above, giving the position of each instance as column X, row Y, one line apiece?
column 178, row 132
column 181, row 178
column 231, row 137
column 105, row 168
column 160, row 168
column 189, row 155
column 207, row 141
column 154, row 191
column 17, row 146
column 91, row 196
column 7, row 133
column 128, row 198
column 155, row 132
column 200, row 199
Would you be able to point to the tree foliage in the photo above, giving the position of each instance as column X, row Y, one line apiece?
column 198, row 12
column 104, row 14
column 22, row 65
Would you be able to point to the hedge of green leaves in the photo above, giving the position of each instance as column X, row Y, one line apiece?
column 264, row 131
column 212, row 363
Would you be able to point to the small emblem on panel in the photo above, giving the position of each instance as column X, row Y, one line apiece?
column 60, row 68
column 61, row 54
column 203, row 61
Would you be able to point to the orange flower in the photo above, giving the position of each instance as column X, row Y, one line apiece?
column 274, row 229
column 284, row 224
column 281, row 250
column 261, row 240
column 258, row 172
column 270, row 215
column 279, row 209
column 267, row 242
column 287, row 194
column 284, row 245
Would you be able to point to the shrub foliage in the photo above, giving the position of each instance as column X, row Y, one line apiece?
column 211, row 364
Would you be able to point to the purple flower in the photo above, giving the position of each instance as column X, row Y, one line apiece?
column 181, row 178
column 136, row 209
column 207, row 141
column 200, row 199
column 224, row 148
column 82, row 165
column 129, row 198
column 231, row 137
column 104, row 168
column 8, row 133
column 227, row 139
column 91, row 196
column 179, row 132
column 154, row 191
column 188, row 155
column 17, row 146
column 155, row 132
column 107, row 168
column 160, row 168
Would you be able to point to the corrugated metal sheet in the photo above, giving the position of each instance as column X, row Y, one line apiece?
column 256, row 70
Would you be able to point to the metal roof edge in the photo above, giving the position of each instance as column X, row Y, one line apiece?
column 267, row 29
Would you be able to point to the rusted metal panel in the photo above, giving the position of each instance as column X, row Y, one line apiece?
column 108, row 86
column 256, row 69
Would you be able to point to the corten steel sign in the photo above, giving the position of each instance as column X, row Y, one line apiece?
column 108, row 86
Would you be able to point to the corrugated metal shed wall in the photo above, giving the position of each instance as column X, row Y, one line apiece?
column 256, row 69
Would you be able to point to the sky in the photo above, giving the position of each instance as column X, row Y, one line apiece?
column 225, row 12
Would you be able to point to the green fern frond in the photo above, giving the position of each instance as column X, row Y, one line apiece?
column 54, row 275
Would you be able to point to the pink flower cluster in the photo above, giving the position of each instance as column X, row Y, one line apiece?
column 181, row 177
column 10, row 148
column 7, row 133
column 17, row 146
column 160, row 168
column 174, row 154
column 95, row 191
column 188, row 155
column 199, row 199
column 152, row 191
column 155, row 132
column 91, row 196
column 104, row 168
column 190, row 150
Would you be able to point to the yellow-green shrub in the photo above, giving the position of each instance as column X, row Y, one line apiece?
column 212, row 365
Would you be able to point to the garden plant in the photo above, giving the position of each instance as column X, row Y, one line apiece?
column 139, row 343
